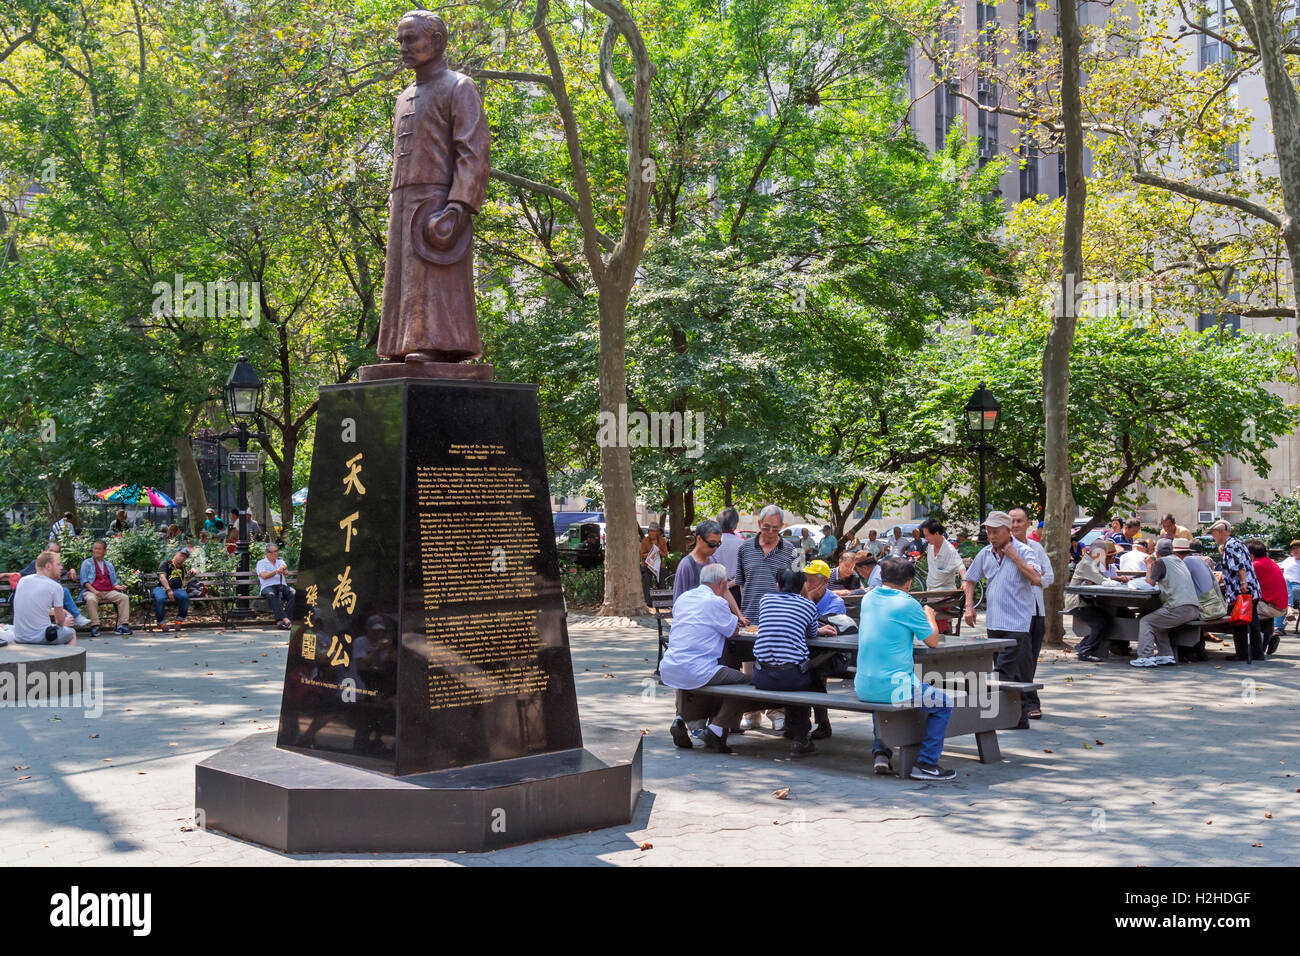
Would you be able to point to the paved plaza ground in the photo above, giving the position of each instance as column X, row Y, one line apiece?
column 1194, row 765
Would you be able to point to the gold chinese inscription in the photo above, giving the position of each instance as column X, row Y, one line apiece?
column 346, row 525
column 308, row 645
column 352, row 480
column 344, row 596
column 338, row 652
column 312, row 593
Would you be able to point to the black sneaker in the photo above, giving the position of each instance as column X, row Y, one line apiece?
column 94, row 631
column 802, row 747
column 681, row 736
column 931, row 771
column 1090, row 658
column 715, row 743
column 821, row 732
column 1273, row 643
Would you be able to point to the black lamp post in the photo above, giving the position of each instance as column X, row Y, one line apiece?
column 983, row 412
column 243, row 401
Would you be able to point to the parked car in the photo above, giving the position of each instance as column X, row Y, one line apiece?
column 795, row 531
column 570, row 540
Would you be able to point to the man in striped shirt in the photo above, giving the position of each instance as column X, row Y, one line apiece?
column 1011, row 571
column 758, row 562
column 781, row 658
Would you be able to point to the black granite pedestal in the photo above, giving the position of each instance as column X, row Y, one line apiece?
column 429, row 700
column 302, row 804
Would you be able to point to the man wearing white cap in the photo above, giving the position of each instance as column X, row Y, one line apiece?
column 1011, row 571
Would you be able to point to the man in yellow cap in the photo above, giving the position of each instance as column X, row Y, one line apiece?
column 817, row 576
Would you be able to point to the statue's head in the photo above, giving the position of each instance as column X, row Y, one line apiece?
column 422, row 37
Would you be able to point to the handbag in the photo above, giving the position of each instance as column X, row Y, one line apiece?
column 1213, row 607
column 1242, row 610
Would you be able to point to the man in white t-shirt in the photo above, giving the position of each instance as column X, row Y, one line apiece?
column 1134, row 561
column 37, row 597
column 875, row 545
column 275, row 586
column 943, row 565
column 1291, row 573
column 702, row 622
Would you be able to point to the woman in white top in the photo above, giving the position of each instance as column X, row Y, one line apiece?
column 275, row 586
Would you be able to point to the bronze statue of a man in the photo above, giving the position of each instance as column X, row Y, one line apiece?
column 440, row 174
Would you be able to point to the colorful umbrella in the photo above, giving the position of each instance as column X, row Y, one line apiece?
column 137, row 495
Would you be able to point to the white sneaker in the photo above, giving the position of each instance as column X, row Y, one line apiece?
column 1165, row 659
column 881, row 765
column 778, row 722
column 1145, row 662
column 81, row 621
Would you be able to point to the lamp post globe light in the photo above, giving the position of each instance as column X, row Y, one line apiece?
column 983, row 413
column 243, row 400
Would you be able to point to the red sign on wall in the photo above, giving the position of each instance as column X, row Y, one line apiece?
column 1225, row 496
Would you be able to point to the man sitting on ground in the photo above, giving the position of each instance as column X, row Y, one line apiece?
column 77, row 619
column 891, row 621
column 275, row 586
column 702, row 622
column 36, row 598
column 171, row 586
column 1178, row 606
column 99, row 578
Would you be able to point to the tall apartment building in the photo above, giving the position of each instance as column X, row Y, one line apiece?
column 937, row 109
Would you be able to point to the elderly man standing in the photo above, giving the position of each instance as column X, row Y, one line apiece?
column 1238, row 579
column 702, row 622
column 1179, row 605
column 1038, row 623
column 758, row 562
column 99, row 578
column 1010, row 570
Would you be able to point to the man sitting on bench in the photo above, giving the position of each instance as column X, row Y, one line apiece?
column 275, row 586
column 171, row 586
column 702, row 622
column 891, row 620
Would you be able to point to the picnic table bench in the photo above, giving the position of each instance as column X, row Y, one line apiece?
column 963, row 667
column 1130, row 605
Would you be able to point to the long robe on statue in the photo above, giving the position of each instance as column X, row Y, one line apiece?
column 440, row 155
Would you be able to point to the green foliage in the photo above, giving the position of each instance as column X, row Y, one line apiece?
column 137, row 549
column 1279, row 523
column 22, row 544
column 584, row 587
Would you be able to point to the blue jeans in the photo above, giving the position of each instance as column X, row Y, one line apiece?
column 70, row 605
column 938, row 710
column 1293, row 593
column 160, row 603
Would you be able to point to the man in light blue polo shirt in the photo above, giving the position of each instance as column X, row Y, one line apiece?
column 1011, row 570
column 891, row 621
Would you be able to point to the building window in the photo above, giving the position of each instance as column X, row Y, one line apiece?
column 945, row 112
column 1210, row 320
column 1028, row 171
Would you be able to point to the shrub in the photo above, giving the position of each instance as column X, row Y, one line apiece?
column 22, row 544
column 137, row 549
column 583, row 588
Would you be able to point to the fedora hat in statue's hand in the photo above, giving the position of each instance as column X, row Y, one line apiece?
column 441, row 235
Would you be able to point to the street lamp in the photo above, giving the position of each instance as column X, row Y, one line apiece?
column 983, row 412
column 243, row 399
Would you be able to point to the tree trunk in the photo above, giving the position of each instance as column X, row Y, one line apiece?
column 1056, row 354
column 196, row 500
column 676, row 521
column 62, row 496
column 688, row 506
column 623, row 595
column 284, row 483
column 1257, row 18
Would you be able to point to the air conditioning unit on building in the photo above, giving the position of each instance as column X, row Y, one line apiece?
column 1204, row 517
